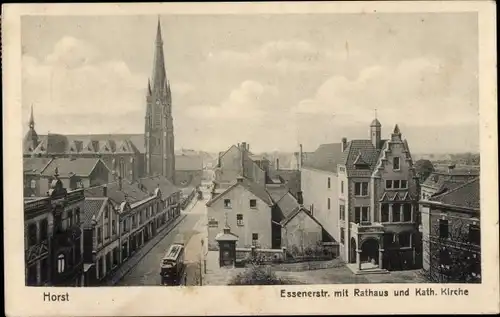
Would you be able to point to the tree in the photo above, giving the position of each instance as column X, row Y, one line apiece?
column 424, row 168
column 258, row 275
column 454, row 259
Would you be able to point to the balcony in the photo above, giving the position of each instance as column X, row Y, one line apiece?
column 366, row 227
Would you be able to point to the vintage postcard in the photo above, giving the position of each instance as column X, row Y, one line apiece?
column 250, row 158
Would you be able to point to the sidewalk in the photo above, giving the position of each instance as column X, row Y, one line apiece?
column 134, row 259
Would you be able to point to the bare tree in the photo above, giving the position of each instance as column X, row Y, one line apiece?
column 455, row 258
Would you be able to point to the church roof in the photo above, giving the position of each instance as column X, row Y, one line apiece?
column 69, row 167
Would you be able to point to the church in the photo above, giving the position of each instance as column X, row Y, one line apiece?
column 129, row 156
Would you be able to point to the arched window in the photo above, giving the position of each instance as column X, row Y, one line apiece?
column 61, row 263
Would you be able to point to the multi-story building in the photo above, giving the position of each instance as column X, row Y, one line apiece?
column 121, row 217
column 54, row 237
column 129, row 155
column 446, row 180
column 368, row 202
column 73, row 172
column 264, row 216
column 188, row 170
column 451, row 234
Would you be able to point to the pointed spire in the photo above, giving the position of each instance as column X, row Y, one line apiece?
column 149, row 87
column 32, row 119
column 396, row 130
column 159, row 73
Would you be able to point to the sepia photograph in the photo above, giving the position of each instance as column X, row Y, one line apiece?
column 230, row 149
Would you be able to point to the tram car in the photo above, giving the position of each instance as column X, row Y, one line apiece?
column 173, row 268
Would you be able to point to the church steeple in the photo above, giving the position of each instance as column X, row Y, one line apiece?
column 159, row 73
column 32, row 120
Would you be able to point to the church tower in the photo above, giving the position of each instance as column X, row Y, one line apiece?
column 31, row 138
column 159, row 125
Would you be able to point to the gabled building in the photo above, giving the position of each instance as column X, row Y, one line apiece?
column 365, row 194
column 188, row 170
column 451, row 234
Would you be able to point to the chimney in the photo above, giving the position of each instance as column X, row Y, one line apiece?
column 277, row 163
column 344, row 144
column 120, row 183
column 300, row 199
column 105, row 190
column 450, row 168
column 243, row 146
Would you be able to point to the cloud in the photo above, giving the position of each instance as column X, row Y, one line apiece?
column 420, row 91
column 281, row 55
column 248, row 101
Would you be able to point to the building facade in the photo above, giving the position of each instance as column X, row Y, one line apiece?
column 365, row 194
column 130, row 156
column 189, row 170
column 54, row 237
column 451, row 234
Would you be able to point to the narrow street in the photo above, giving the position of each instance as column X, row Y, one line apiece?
column 193, row 228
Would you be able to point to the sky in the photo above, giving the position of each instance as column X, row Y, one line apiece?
column 274, row 81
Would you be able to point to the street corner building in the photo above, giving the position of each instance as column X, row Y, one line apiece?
column 365, row 194
column 130, row 156
column 53, row 240
column 451, row 230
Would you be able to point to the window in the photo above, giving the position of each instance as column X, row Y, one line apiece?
column 253, row 203
column 361, row 189
column 443, row 229
column 357, row 214
column 213, row 223
column 115, row 257
column 404, row 184
column 396, row 184
column 227, row 203
column 395, row 163
column 444, row 258
column 32, row 239
column 113, row 226
column 100, row 268
column 342, row 235
column 77, row 216
column 239, row 219
column 365, row 215
column 388, row 184
column 255, row 238
column 328, row 203
column 384, row 212
column 396, row 213
column 106, row 213
column 329, row 183
column 342, row 212
column 474, row 234
column 44, row 270
column 342, row 187
column 99, row 235
column 78, row 251
column 61, row 263
column 44, row 228
column 33, row 184
column 407, row 212
column 405, row 239
column 70, row 218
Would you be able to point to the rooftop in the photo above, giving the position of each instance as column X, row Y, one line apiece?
column 466, row 196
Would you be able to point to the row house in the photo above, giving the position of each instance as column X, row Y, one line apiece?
column 451, row 234
column 121, row 217
column 73, row 172
column 54, row 237
column 369, row 202
column 267, row 217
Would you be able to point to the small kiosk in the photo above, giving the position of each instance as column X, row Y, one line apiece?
column 227, row 247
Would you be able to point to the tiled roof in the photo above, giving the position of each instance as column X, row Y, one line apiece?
column 277, row 192
column 325, row 158
column 466, row 195
column 129, row 192
column 188, row 163
column 91, row 208
column 68, row 167
column 91, row 143
column 442, row 180
column 295, row 212
column 291, row 178
column 361, row 151
column 287, row 204
column 151, row 183
column 35, row 164
column 256, row 189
